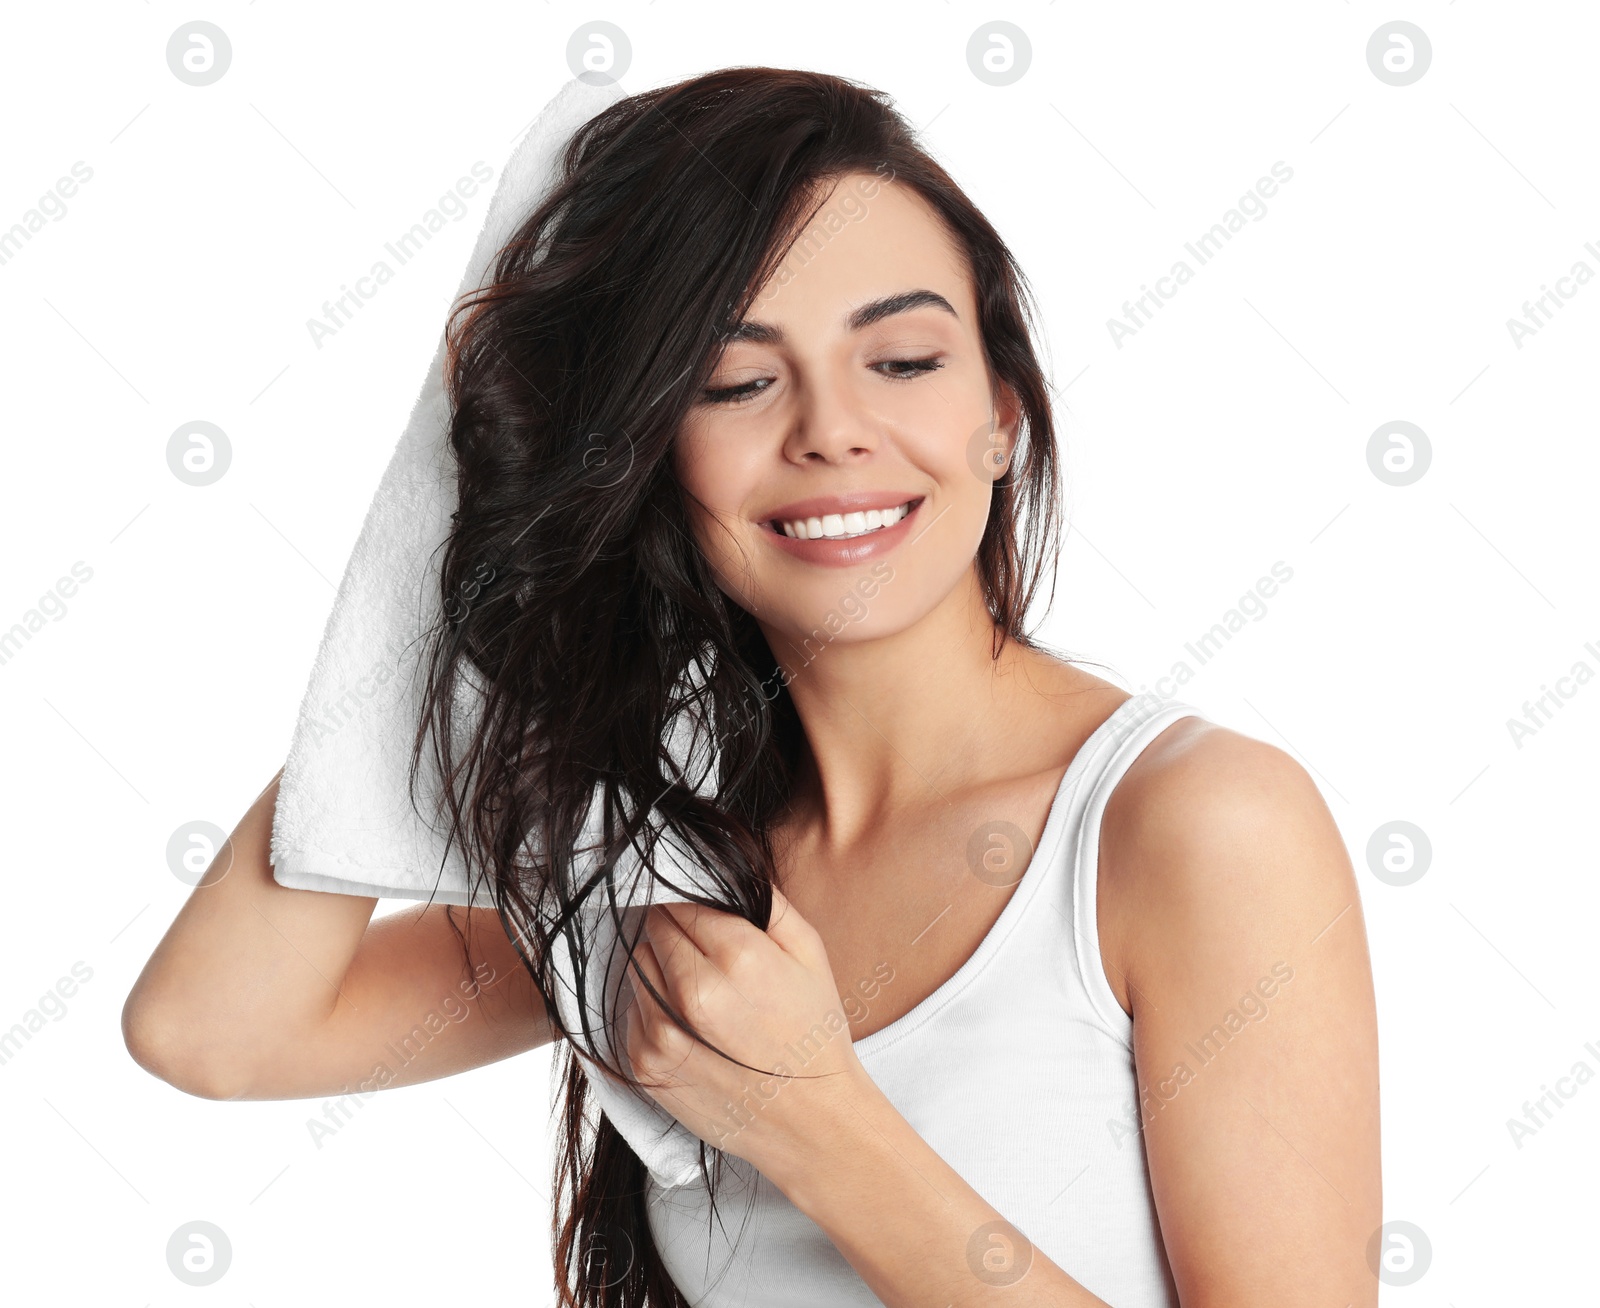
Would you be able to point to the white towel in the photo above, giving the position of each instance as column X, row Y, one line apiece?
column 344, row 819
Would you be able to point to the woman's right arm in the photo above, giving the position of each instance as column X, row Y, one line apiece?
column 261, row 992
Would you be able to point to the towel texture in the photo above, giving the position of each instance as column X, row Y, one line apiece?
column 344, row 820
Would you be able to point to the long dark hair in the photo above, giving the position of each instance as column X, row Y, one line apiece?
column 581, row 620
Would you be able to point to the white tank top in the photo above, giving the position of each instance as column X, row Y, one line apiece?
column 1018, row 1071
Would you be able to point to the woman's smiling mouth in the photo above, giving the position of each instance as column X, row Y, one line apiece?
column 843, row 526
column 844, row 530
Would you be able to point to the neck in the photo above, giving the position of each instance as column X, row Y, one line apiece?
column 905, row 719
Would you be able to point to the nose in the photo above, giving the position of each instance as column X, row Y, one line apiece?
column 831, row 424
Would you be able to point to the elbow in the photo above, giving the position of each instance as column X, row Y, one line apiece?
column 166, row 1046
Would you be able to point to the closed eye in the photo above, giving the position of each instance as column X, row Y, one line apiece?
column 917, row 366
column 735, row 395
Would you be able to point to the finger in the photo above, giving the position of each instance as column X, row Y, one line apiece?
column 646, row 1004
column 653, row 1022
column 687, row 970
column 696, row 971
column 673, row 949
column 791, row 932
column 644, row 1010
column 715, row 933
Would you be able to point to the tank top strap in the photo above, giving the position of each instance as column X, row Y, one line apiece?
column 1122, row 738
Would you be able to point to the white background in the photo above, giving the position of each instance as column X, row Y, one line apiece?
column 1228, row 434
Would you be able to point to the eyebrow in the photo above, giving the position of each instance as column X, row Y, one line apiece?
column 857, row 319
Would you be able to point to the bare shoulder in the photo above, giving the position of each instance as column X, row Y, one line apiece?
column 1213, row 834
column 1233, row 934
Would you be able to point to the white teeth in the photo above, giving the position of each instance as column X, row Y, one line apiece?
column 837, row 526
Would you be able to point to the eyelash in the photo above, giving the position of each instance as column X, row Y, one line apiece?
column 735, row 395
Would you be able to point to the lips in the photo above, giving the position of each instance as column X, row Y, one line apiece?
column 846, row 551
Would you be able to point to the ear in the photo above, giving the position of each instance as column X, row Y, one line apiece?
column 1006, row 423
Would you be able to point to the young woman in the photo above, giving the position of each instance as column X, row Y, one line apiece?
column 1021, row 989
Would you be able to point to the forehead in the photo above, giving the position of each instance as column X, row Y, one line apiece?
column 867, row 238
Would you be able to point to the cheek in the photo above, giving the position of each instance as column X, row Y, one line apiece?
column 715, row 490
column 953, row 454
column 712, row 468
column 719, row 479
column 958, row 453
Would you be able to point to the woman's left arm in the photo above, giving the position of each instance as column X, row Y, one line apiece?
column 1246, row 939
column 1255, row 1025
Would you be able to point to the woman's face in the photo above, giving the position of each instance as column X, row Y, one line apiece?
column 855, row 385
